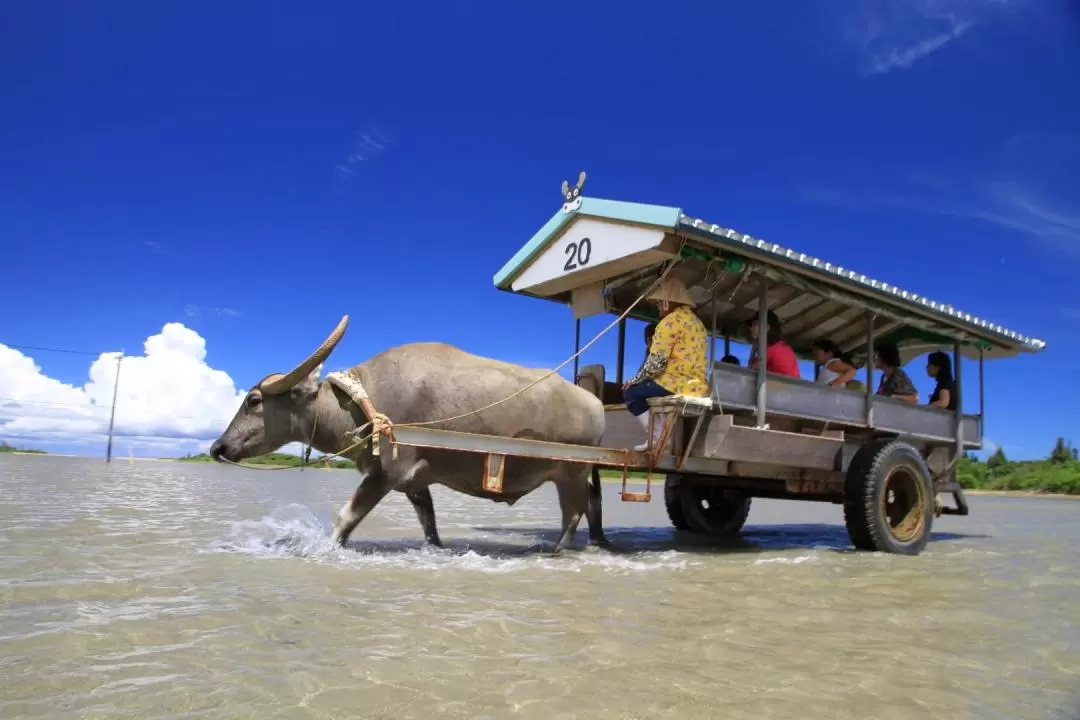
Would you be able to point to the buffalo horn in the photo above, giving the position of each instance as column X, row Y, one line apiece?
column 277, row 384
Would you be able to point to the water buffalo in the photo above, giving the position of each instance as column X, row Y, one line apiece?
column 422, row 382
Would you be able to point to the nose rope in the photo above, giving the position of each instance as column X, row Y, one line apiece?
column 382, row 425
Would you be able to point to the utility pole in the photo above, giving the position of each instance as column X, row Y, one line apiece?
column 112, row 414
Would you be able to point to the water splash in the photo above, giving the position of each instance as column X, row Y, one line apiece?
column 294, row 531
column 288, row 531
column 797, row 560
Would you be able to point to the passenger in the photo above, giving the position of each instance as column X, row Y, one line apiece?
column 730, row 360
column 677, row 359
column 895, row 382
column 779, row 357
column 650, row 331
column 835, row 370
column 939, row 367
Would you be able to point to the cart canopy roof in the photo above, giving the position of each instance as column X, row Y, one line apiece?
column 598, row 256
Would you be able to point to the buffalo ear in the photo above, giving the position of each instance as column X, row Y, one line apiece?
column 581, row 181
column 311, row 383
column 565, row 188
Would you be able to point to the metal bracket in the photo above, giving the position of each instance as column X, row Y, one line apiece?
column 699, row 423
column 494, row 467
column 958, row 497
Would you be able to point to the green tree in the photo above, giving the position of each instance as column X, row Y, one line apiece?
column 997, row 460
column 1061, row 452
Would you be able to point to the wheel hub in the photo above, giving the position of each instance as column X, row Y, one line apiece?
column 903, row 504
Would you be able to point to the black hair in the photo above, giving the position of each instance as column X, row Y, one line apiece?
column 943, row 363
column 774, row 332
column 730, row 360
column 650, row 330
column 889, row 354
column 833, row 349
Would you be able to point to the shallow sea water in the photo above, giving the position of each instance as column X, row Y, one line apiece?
column 170, row 590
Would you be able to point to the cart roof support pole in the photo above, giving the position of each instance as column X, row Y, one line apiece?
column 982, row 394
column 712, row 341
column 621, row 357
column 762, row 347
column 959, row 419
column 869, row 368
column 577, row 347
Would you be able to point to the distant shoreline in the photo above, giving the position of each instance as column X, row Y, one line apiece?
column 1022, row 493
column 606, row 476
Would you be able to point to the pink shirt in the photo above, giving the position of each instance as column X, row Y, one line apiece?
column 780, row 359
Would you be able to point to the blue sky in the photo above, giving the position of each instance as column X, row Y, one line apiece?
column 254, row 170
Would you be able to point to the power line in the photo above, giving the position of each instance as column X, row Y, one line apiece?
column 49, row 402
column 55, row 350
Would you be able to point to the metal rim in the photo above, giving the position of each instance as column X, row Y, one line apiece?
column 712, row 505
column 903, row 504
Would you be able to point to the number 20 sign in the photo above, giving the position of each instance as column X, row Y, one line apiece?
column 578, row 253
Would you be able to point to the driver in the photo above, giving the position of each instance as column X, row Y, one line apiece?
column 676, row 361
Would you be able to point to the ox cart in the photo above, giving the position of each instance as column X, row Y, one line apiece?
column 755, row 434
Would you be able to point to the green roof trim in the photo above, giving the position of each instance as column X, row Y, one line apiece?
column 656, row 215
column 772, row 253
column 909, row 333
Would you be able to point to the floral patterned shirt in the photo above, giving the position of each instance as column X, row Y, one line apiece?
column 896, row 382
column 678, row 354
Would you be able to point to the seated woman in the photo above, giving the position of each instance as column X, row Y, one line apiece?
column 939, row 367
column 650, row 330
column 834, row 369
column 895, row 382
column 779, row 357
column 676, row 364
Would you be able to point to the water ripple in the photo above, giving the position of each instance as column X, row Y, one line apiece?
column 172, row 590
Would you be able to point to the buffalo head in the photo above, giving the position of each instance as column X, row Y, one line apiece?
column 278, row 410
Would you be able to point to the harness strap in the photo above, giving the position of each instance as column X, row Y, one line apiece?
column 348, row 383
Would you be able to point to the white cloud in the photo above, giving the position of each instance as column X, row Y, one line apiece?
column 895, row 34
column 169, row 401
column 905, row 57
column 1027, row 192
column 366, row 145
column 193, row 311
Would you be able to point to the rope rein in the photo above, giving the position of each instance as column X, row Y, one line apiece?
column 382, row 425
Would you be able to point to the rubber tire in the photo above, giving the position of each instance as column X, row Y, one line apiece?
column 729, row 508
column 866, row 525
column 673, row 502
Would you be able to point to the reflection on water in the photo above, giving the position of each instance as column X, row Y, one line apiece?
column 164, row 590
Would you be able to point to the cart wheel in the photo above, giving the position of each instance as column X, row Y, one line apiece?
column 673, row 502
column 889, row 498
column 711, row 510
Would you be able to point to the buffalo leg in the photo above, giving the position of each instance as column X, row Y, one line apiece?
column 574, row 501
column 372, row 489
column 595, row 513
column 425, row 513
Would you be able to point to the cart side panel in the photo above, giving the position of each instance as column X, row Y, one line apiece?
column 623, row 430
column 724, row 440
column 735, row 390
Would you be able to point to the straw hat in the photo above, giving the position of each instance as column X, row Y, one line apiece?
column 672, row 291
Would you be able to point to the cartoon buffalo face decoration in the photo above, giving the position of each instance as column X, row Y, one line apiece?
column 572, row 195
